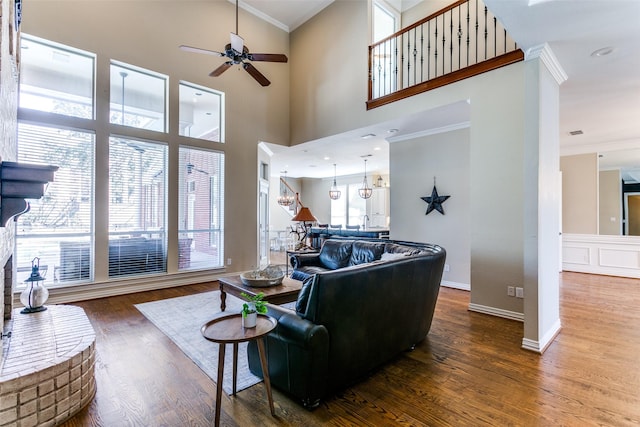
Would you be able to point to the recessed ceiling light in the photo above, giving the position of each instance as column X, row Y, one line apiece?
column 603, row 51
column 198, row 94
column 376, row 148
column 392, row 130
column 576, row 132
column 327, row 158
column 368, row 135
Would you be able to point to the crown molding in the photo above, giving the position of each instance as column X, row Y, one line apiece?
column 428, row 132
column 548, row 58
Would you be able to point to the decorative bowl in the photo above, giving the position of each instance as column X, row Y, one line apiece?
column 270, row 276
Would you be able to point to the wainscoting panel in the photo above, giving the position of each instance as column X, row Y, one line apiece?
column 595, row 254
column 576, row 255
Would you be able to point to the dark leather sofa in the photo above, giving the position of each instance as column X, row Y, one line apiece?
column 363, row 303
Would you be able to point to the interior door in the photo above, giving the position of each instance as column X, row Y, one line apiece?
column 633, row 214
column 263, row 225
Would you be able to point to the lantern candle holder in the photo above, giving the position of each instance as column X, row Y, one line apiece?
column 35, row 294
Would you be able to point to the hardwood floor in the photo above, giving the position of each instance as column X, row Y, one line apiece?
column 470, row 371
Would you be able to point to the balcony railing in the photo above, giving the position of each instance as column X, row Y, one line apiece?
column 462, row 40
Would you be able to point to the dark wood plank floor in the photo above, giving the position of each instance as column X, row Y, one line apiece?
column 470, row 371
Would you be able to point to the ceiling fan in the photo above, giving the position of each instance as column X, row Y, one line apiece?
column 238, row 53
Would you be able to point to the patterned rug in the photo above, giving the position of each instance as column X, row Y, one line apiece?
column 181, row 319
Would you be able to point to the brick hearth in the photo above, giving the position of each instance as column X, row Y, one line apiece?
column 47, row 374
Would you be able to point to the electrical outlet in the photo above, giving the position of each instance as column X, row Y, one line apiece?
column 446, row 267
column 228, row 261
column 511, row 291
column 519, row 292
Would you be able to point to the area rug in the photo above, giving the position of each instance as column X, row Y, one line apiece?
column 181, row 319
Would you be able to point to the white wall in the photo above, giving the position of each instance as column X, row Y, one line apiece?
column 580, row 193
column 414, row 164
column 504, row 232
column 610, row 202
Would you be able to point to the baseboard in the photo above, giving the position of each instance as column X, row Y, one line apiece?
column 498, row 312
column 547, row 339
column 455, row 285
column 87, row 291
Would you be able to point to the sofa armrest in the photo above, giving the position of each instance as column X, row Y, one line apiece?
column 298, row 356
column 303, row 260
column 293, row 329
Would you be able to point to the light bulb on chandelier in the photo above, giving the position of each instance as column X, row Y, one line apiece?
column 334, row 193
column 285, row 199
column 365, row 191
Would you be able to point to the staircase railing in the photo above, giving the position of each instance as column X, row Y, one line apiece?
column 459, row 41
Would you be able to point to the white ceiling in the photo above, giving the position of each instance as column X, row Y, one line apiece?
column 601, row 96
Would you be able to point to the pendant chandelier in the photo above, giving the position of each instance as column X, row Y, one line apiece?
column 365, row 191
column 285, row 199
column 334, row 193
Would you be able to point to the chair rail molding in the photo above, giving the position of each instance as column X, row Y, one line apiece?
column 600, row 254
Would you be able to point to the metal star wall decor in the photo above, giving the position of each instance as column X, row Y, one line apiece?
column 434, row 201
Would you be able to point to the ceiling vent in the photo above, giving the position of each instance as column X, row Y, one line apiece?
column 575, row 132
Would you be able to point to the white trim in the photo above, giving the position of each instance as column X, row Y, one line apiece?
column 294, row 24
column 592, row 253
column 428, row 132
column 455, row 285
column 547, row 339
column 87, row 291
column 498, row 312
column 599, row 147
column 548, row 58
column 252, row 10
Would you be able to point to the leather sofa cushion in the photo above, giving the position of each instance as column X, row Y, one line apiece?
column 363, row 252
column 394, row 248
column 303, row 272
column 335, row 253
column 303, row 296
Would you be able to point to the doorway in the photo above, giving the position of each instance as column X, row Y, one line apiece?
column 632, row 209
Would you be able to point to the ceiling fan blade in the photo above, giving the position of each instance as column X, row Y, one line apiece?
column 269, row 57
column 260, row 78
column 199, row 50
column 221, row 69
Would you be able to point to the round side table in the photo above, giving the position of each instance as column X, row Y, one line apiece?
column 228, row 330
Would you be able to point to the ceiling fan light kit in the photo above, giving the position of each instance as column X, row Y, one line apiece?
column 238, row 54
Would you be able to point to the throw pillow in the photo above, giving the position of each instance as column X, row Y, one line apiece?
column 391, row 256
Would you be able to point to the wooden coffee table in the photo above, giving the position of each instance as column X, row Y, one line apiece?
column 279, row 294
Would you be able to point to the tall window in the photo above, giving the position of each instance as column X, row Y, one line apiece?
column 58, row 228
column 55, row 78
column 201, row 112
column 350, row 208
column 138, row 98
column 200, row 209
column 339, row 207
column 357, row 206
column 137, row 200
column 386, row 21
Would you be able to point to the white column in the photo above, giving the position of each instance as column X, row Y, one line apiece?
column 543, row 76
